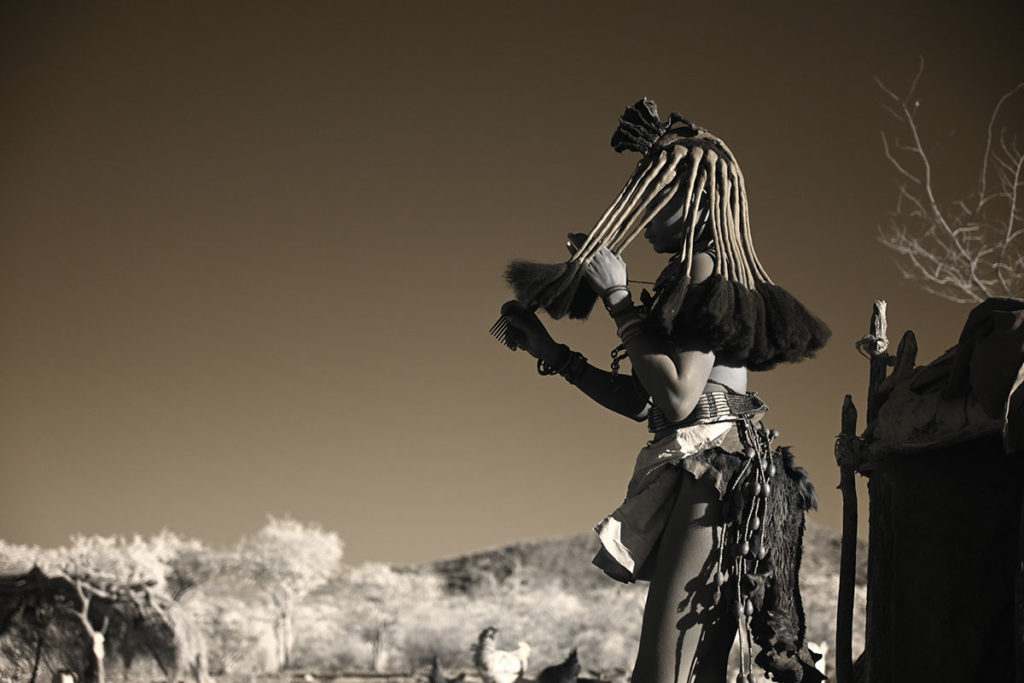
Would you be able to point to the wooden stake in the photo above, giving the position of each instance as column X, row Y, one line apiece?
column 848, row 553
column 879, row 343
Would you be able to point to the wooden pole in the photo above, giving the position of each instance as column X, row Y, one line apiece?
column 848, row 554
column 879, row 358
column 875, row 346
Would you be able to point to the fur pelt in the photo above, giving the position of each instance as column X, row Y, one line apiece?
column 778, row 624
column 755, row 328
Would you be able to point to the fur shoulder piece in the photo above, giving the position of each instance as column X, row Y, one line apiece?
column 755, row 328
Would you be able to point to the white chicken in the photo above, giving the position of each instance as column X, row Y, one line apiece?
column 499, row 666
column 821, row 649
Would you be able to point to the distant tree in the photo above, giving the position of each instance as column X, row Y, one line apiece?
column 969, row 249
column 25, row 623
column 238, row 628
column 287, row 560
column 124, row 575
column 187, row 562
column 382, row 597
column 114, row 590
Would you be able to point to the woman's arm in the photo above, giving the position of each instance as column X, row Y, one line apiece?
column 617, row 393
column 675, row 378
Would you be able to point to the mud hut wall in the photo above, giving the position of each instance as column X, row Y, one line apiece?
column 943, row 534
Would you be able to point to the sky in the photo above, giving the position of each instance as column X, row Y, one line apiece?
column 250, row 251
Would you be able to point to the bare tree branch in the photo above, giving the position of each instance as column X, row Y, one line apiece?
column 888, row 92
column 917, row 77
column 899, row 167
column 958, row 253
column 1009, row 221
column 913, row 199
column 988, row 140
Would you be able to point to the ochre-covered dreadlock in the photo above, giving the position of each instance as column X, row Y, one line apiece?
column 738, row 312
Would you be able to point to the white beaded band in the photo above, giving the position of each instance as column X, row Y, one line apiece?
column 626, row 327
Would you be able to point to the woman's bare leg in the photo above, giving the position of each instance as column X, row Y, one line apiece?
column 684, row 637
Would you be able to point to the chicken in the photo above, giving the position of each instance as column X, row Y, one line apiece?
column 566, row 672
column 819, row 650
column 437, row 677
column 499, row 666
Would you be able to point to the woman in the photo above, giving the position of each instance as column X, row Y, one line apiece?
column 713, row 517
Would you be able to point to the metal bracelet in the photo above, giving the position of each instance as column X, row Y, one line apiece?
column 620, row 307
column 575, row 368
column 546, row 368
column 626, row 327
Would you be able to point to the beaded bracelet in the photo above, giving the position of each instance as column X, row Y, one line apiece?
column 626, row 327
column 623, row 304
column 630, row 335
column 546, row 368
column 614, row 288
column 577, row 366
column 571, row 369
column 626, row 316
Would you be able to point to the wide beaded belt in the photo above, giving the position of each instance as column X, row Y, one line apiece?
column 712, row 407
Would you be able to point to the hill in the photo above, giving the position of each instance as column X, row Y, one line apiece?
column 542, row 572
column 568, row 559
column 385, row 618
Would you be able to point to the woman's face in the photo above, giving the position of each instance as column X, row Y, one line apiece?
column 665, row 229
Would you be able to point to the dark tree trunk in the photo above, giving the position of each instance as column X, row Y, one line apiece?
column 40, row 643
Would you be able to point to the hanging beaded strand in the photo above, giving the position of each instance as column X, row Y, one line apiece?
column 746, row 539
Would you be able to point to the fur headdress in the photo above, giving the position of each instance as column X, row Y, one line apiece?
column 738, row 312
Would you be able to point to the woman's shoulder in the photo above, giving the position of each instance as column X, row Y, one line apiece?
column 702, row 267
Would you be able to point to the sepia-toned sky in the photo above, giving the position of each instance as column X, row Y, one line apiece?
column 250, row 251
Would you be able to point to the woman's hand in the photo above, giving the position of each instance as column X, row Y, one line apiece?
column 528, row 331
column 607, row 269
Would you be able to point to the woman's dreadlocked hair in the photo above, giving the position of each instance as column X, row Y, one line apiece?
column 738, row 312
column 639, row 127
